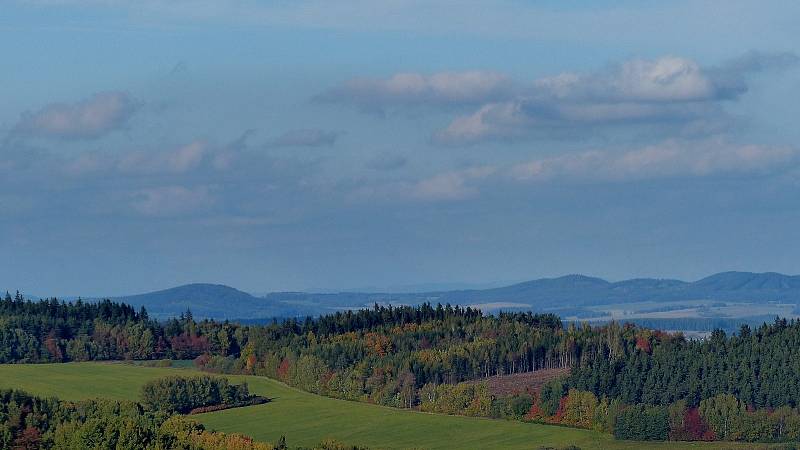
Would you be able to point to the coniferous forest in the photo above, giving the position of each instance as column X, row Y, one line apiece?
column 633, row 382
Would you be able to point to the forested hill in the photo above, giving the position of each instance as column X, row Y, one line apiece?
column 204, row 300
column 223, row 302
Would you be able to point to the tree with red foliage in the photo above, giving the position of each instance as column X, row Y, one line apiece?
column 283, row 369
column 535, row 414
column 54, row 347
column 643, row 344
column 696, row 428
column 29, row 439
column 189, row 345
column 562, row 409
column 686, row 424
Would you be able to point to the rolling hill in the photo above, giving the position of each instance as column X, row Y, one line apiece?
column 204, row 300
column 219, row 301
column 579, row 290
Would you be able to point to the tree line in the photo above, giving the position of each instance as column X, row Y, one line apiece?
column 721, row 417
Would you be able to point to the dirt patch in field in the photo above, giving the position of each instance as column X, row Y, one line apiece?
column 519, row 383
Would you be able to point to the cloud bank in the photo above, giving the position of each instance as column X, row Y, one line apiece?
column 87, row 119
column 670, row 159
column 443, row 89
column 669, row 91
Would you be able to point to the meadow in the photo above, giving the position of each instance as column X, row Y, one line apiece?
column 306, row 419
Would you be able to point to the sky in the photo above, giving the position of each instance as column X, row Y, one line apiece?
column 303, row 145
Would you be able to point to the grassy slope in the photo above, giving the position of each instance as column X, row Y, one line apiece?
column 305, row 419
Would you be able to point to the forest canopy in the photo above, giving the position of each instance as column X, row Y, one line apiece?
column 432, row 358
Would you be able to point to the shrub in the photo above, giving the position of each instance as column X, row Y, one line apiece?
column 180, row 394
column 642, row 423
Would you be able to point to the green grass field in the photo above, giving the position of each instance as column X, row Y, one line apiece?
column 306, row 419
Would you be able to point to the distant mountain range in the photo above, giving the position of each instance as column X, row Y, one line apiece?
column 219, row 301
column 579, row 290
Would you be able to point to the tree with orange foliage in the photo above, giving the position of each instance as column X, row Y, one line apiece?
column 378, row 344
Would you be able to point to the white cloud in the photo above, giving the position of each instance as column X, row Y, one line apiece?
column 194, row 158
column 187, row 157
column 453, row 185
column 668, row 159
column 495, row 120
column 526, row 118
column 171, row 200
column 669, row 78
column 410, row 89
column 179, row 160
column 669, row 91
column 671, row 159
column 86, row 119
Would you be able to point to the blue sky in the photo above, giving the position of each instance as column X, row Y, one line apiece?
column 300, row 145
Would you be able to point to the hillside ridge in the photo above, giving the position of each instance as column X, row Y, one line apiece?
column 209, row 300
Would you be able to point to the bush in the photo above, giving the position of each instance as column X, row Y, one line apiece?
column 462, row 399
column 156, row 363
column 180, row 394
column 252, row 401
column 550, row 396
column 514, row 407
column 520, row 404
